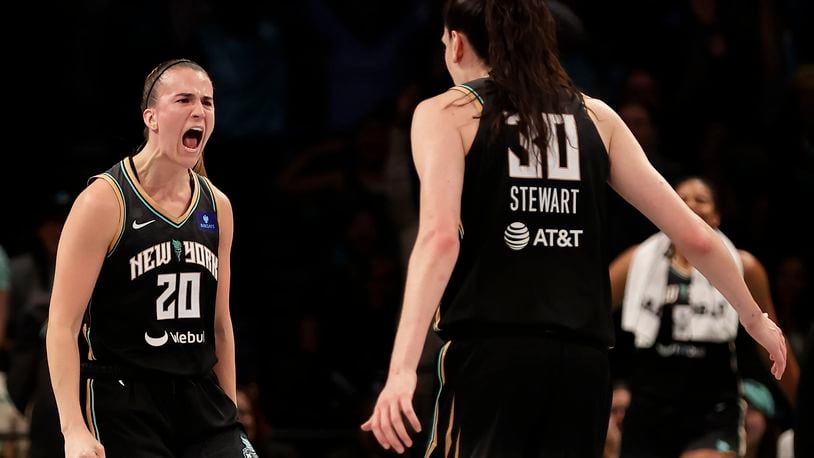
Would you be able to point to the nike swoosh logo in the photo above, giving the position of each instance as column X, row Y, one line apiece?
column 137, row 225
column 156, row 342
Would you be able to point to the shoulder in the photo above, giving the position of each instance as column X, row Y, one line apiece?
column 99, row 197
column 627, row 255
column 751, row 265
column 600, row 111
column 452, row 108
column 96, row 216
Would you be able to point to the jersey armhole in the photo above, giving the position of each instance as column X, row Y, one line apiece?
column 117, row 191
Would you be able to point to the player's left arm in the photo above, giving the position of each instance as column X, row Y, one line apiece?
column 224, row 334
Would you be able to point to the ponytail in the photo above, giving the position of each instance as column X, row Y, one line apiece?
column 517, row 39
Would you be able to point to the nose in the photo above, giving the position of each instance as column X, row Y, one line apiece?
column 198, row 109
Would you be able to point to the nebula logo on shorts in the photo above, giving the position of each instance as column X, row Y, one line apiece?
column 248, row 450
column 516, row 236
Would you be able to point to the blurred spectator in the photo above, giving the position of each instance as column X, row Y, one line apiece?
column 785, row 444
column 761, row 431
column 641, row 87
column 257, row 429
column 574, row 43
column 619, row 404
column 804, row 421
column 793, row 300
column 12, row 424
column 367, row 56
column 5, row 286
column 28, row 378
column 639, row 118
column 246, row 49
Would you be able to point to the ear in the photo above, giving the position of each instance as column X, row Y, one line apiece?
column 715, row 220
column 149, row 119
column 457, row 41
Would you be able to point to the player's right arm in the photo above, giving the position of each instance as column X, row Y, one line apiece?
column 438, row 153
column 91, row 225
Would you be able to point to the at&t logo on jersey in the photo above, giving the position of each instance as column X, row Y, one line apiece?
column 517, row 236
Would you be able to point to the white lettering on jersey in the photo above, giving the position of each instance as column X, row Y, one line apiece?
column 160, row 254
column 542, row 199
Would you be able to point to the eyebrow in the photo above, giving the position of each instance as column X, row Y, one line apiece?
column 189, row 94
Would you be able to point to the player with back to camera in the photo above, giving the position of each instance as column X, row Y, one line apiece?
column 510, row 255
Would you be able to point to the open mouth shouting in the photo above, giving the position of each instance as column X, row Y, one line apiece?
column 193, row 138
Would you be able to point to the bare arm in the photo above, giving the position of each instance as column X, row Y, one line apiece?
column 635, row 179
column 439, row 159
column 224, row 333
column 619, row 268
column 439, row 154
column 91, row 225
column 757, row 280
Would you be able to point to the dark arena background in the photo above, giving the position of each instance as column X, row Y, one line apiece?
column 314, row 101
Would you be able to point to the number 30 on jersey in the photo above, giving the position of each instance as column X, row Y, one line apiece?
column 562, row 161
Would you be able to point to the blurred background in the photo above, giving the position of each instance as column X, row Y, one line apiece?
column 314, row 100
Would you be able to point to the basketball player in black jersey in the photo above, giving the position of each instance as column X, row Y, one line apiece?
column 685, row 399
column 143, row 274
column 510, row 257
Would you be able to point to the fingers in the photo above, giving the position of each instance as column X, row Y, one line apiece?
column 387, row 424
column 398, row 426
column 780, row 357
column 373, row 426
column 407, row 409
column 387, row 429
column 780, row 365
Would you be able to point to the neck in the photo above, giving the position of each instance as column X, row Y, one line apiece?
column 679, row 260
column 473, row 73
column 156, row 172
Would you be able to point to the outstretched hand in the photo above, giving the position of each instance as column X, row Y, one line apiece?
column 395, row 402
column 768, row 334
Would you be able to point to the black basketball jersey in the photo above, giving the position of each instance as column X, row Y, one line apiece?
column 681, row 369
column 153, row 306
column 532, row 254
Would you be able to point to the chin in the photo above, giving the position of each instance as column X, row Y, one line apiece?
column 188, row 159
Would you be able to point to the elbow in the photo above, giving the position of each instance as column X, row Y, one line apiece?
column 700, row 240
column 441, row 242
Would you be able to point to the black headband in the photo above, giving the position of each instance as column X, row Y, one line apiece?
column 158, row 77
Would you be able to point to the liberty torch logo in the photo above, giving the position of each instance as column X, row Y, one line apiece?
column 516, row 236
